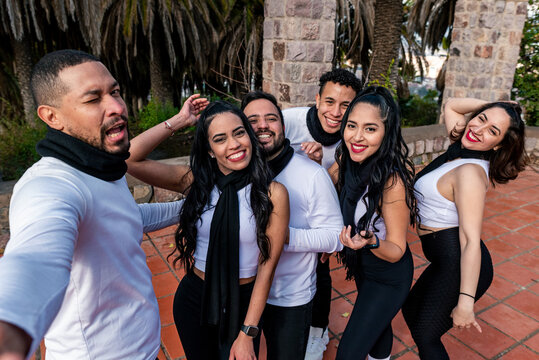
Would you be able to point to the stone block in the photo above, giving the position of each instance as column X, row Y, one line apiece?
column 292, row 28
column 466, row 35
column 330, row 9
column 317, row 9
column 296, row 51
column 310, row 31
column 510, row 7
column 310, row 93
column 298, row 8
column 284, row 92
column 266, row 86
column 460, row 7
column 447, row 142
column 480, row 82
column 434, row 156
column 419, row 147
column 328, row 55
column 267, row 50
column 449, row 79
column 315, row 52
column 454, row 51
column 278, row 50
column 530, row 143
column 521, row 8
column 461, row 21
column 163, row 195
column 429, row 145
column 417, row 160
column 472, row 6
column 438, row 144
column 411, row 148
column 267, row 70
column 479, row 35
column 278, row 71
column 455, row 35
column 487, row 20
column 514, row 38
column 424, row 159
column 268, row 29
column 277, row 29
column 497, row 82
column 292, row 72
column 494, row 36
column 484, row 52
column 500, row 6
column 310, row 73
column 142, row 193
column 273, row 8
column 462, row 80
column 472, row 20
column 327, row 30
column 459, row 93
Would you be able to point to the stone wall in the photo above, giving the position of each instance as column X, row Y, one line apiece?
column 484, row 48
column 298, row 48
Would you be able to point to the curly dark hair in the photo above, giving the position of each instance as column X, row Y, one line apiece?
column 342, row 77
column 511, row 158
column 390, row 161
column 204, row 170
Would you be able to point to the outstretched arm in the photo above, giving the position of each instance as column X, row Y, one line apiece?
column 171, row 177
column 469, row 189
column 276, row 232
column 455, row 111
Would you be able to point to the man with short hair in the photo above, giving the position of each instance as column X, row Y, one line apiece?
column 315, row 223
column 74, row 267
column 321, row 124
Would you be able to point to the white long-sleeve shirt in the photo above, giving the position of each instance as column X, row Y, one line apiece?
column 315, row 223
column 74, row 268
column 296, row 130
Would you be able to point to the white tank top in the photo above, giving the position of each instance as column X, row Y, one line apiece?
column 249, row 251
column 361, row 209
column 434, row 209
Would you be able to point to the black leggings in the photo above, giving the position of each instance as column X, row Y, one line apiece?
column 201, row 342
column 322, row 297
column 382, row 288
column 428, row 307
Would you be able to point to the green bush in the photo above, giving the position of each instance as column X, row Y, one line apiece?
column 153, row 113
column 418, row 111
column 526, row 81
column 18, row 149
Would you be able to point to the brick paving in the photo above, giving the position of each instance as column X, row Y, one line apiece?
column 508, row 313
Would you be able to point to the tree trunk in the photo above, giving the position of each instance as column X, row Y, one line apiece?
column 387, row 32
column 23, row 68
column 160, row 77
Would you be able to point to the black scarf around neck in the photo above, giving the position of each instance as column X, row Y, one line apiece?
column 278, row 163
column 454, row 151
column 83, row 156
column 316, row 130
column 356, row 180
column 220, row 302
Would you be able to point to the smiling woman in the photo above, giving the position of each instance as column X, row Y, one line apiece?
column 487, row 147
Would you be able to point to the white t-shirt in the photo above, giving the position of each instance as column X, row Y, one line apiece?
column 74, row 268
column 296, row 130
column 315, row 223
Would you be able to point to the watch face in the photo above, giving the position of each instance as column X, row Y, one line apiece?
column 251, row 331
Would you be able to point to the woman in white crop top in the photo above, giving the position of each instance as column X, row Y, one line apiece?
column 487, row 147
column 375, row 181
column 232, row 228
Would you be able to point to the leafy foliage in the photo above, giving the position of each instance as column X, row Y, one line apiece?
column 526, row 81
column 153, row 113
column 418, row 110
column 18, row 149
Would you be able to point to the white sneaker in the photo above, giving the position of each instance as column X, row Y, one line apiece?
column 318, row 340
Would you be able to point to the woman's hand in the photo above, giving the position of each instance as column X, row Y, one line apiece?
column 191, row 109
column 313, row 150
column 464, row 317
column 242, row 348
column 358, row 241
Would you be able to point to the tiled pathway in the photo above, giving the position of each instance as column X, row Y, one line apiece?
column 508, row 313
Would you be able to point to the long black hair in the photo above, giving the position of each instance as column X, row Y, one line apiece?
column 511, row 158
column 204, row 170
column 389, row 161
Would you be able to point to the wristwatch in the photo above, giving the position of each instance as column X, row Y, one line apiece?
column 250, row 330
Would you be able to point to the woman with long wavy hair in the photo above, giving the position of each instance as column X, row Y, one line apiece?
column 375, row 180
column 488, row 146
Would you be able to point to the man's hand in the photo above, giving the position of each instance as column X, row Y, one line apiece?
column 243, row 348
column 191, row 109
column 14, row 342
column 313, row 150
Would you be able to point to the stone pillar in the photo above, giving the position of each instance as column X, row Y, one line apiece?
column 298, row 48
column 484, row 48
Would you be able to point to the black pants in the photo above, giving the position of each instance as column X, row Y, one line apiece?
column 287, row 331
column 382, row 288
column 200, row 342
column 322, row 298
column 428, row 307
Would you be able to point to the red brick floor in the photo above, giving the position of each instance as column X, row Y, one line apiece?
column 508, row 313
